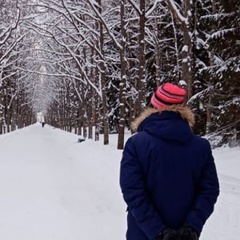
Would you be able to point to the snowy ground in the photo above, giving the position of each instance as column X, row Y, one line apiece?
column 53, row 188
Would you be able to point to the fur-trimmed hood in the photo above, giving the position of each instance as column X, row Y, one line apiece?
column 185, row 112
column 171, row 124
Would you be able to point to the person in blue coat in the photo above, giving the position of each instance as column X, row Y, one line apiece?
column 167, row 175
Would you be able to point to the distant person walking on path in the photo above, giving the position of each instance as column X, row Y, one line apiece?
column 168, row 175
column 41, row 119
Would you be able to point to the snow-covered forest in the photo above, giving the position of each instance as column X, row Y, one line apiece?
column 88, row 64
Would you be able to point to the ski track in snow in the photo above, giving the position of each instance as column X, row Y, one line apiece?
column 53, row 188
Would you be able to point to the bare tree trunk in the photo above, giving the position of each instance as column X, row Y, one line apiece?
column 90, row 113
column 122, row 85
column 96, row 117
column 91, row 101
column 209, row 114
column 68, row 124
column 79, row 118
column 187, row 54
column 178, row 75
column 209, row 103
column 140, row 103
column 157, row 53
column 102, row 76
column 96, row 108
column 13, row 117
column 84, row 127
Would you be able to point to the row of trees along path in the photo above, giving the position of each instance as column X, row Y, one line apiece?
column 92, row 64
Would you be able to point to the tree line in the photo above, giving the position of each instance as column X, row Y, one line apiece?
column 93, row 64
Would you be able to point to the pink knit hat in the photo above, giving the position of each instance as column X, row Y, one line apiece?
column 168, row 94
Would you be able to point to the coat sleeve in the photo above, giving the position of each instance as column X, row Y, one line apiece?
column 135, row 195
column 207, row 193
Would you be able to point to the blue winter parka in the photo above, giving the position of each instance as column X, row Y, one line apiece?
column 167, row 176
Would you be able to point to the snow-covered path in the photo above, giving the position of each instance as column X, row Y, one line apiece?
column 53, row 188
column 224, row 224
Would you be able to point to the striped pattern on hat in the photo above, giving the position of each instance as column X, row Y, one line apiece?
column 168, row 94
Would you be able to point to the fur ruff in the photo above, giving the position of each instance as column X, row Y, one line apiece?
column 185, row 112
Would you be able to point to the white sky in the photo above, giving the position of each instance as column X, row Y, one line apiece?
column 53, row 188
